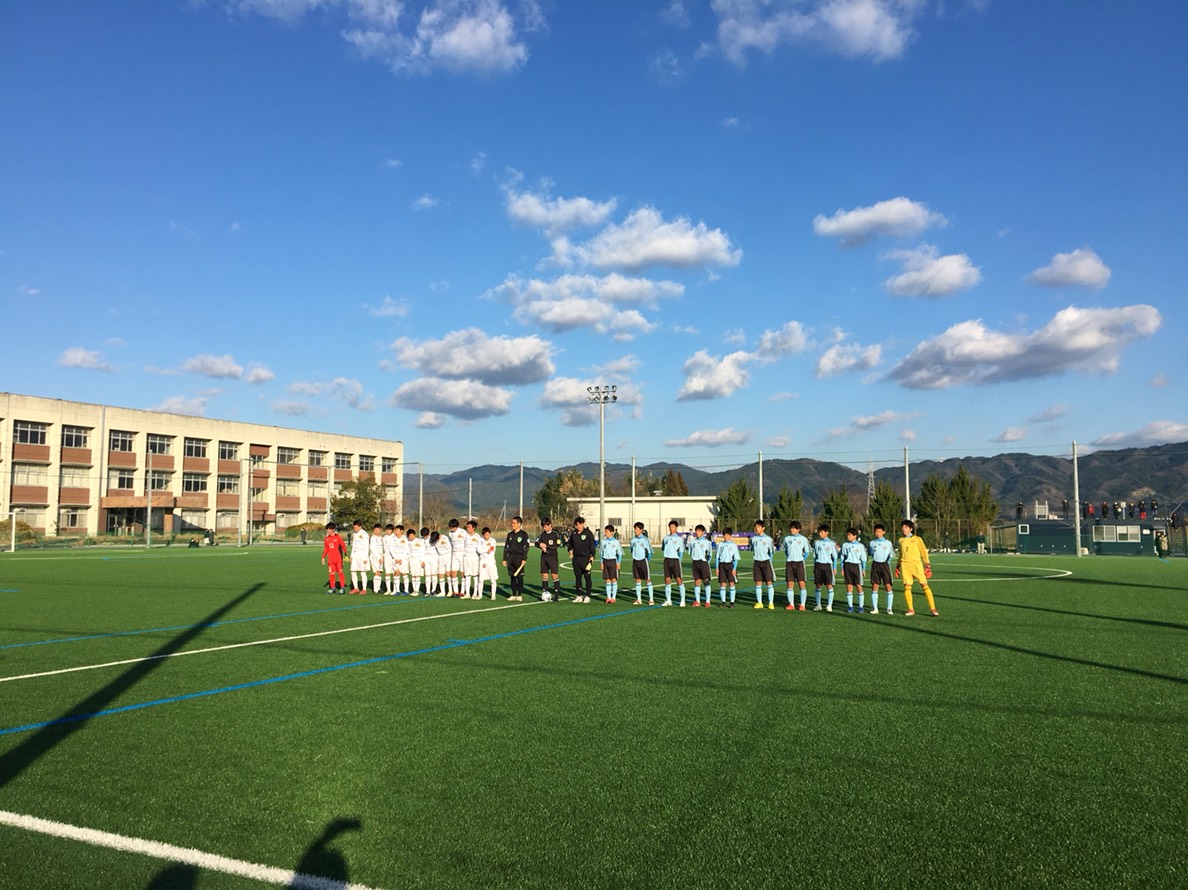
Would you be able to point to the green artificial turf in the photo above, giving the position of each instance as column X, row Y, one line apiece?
column 1033, row 735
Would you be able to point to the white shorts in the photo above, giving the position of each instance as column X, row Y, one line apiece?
column 488, row 570
column 390, row 564
column 431, row 565
column 470, row 566
column 456, row 562
column 415, row 569
column 361, row 563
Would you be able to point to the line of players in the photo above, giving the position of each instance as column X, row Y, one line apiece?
column 460, row 563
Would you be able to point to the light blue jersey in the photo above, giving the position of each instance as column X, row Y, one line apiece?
column 700, row 549
column 796, row 547
column 610, row 548
column 674, row 546
column 727, row 553
column 825, row 551
column 854, row 553
column 641, row 547
column 881, row 550
column 762, row 546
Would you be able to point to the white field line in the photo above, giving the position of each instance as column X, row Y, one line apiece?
column 308, row 636
column 157, row 850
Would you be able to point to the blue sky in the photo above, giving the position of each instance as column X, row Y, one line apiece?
column 824, row 228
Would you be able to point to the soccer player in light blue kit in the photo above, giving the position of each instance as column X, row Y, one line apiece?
column 673, row 546
column 853, row 560
column 641, row 570
column 824, row 562
column 700, row 548
column 611, row 552
column 762, row 549
column 727, row 563
column 796, row 549
column 881, row 552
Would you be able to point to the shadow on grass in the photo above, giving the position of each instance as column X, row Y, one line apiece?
column 29, row 751
column 1129, row 585
column 174, row 877
column 323, row 861
column 1151, row 622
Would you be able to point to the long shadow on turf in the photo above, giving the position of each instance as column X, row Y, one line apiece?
column 178, row 876
column 28, row 752
column 322, row 860
column 1148, row 621
column 1129, row 585
column 1022, row 650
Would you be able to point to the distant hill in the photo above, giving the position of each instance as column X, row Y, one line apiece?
column 1123, row 475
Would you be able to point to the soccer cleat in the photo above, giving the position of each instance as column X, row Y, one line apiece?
column 829, row 608
column 771, row 606
column 817, row 608
column 889, row 612
column 874, row 610
column 682, row 605
column 909, row 613
column 861, row 610
column 758, row 605
column 651, row 602
column 639, row 602
column 789, row 608
column 935, row 614
column 848, row 609
column 666, row 604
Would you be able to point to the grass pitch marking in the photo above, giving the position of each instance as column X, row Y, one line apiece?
column 185, row 855
column 289, row 639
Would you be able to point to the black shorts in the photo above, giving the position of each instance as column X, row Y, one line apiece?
column 852, row 573
column 822, row 574
column 794, row 572
column 763, row 572
column 701, row 571
column 549, row 563
column 641, row 570
column 725, row 573
column 672, row 569
column 610, row 570
column 880, row 574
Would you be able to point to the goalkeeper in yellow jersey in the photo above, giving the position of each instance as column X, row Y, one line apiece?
column 913, row 565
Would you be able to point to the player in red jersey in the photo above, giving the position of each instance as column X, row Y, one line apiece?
column 333, row 550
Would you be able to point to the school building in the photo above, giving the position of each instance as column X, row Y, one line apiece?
column 654, row 512
column 74, row 468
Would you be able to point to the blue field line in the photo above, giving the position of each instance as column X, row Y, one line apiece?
column 454, row 644
column 208, row 624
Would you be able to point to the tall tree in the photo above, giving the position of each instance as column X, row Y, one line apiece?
column 674, row 484
column 737, row 507
column 936, row 507
column 360, row 500
column 886, row 507
column 551, row 498
column 838, row 512
column 789, row 505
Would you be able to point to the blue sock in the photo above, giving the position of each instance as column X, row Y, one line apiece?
column 732, row 591
column 831, row 597
column 861, row 599
column 803, row 595
column 818, row 596
column 697, row 593
column 771, row 594
column 668, row 593
column 850, row 599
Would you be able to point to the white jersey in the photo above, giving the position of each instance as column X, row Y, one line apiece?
column 487, row 565
column 360, row 551
column 416, row 557
column 457, row 538
column 445, row 553
column 400, row 553
column 391, row 564
column 375, row 552
column 472, row 553
column 429, row 556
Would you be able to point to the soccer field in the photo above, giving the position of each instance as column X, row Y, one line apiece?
column 215, row 700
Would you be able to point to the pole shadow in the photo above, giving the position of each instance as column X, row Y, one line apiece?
column 1151, row 622
column 44, row 740
column 179, row 876
column 323, row 862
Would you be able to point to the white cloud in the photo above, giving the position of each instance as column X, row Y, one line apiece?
column 164, row 372
column 644, row 239
column 927, row 274
column 473, row 354
column 478, row 162
column 556, row 215
column 675, row 13
column 667, row 67
column 191, row 405
column 731, row 123
column 1158, row 432
column 290, row 407
column 78, row 357
column 570, row 395
column 865, row 424
column 842, row 357
column 117, row 342
column 786, row 340
column 570, row 302
column 778, row 442
column 392, row 163
column 425, row 202
column 1084, row 340
column 618, row 369
column 258, row 374
column 1011, row 434
column 710, row 439
column 430, row 420
column 388, row 308
column 1159, row 381
column 909, row 435
column 713, row 377
column 1081, row 268
column 26, row 291
column 213, row 366
column 1049, row 414
column 874, row 29
column 783, row 396
column 344, row 389
column 898, row 217
column 461, row 399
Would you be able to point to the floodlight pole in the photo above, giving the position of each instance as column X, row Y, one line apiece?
column 907, row 487
column 1076, row 498
column 421, row 496
column 469, row 497
column 600, row 396
column 761, row 485
column 148, row 498
column 633, row 493
column 12, row 531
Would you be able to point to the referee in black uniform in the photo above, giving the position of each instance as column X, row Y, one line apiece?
column 515, row 552
column 582, row 545
column 549, row 542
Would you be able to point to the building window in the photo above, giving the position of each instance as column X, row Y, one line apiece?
column 388, row 464
column 121, row 440
column 288, row 487
column 192, row 520
column 257, row 459
column 1131, row 534
column 31, row 517
column 317, row 489
column 319, row 518
column 193, row 483
column 226, row 520
column 25, row 432
column 159, row 480
column 72, row 517
column 288, row 455
column 342, row 461
column 121, row 480
column 366, row 463
column 195, row 447
column 74, row 477
column 391, row 492
column 616, row 521
column 28, row 474
column 284, row 520
column 74, row 436
column 159, row 444
column 317, row 458
column 228, row 485
column 228, row 451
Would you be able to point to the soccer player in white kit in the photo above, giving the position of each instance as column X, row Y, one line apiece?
column 457, row 539
column 400, row 553
column 429, row 558
column 444, row 551
column 472, row 552
column 360, row 557
column 415, row 564
column 375, row 556
column 390, row 540
column 488, row 566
